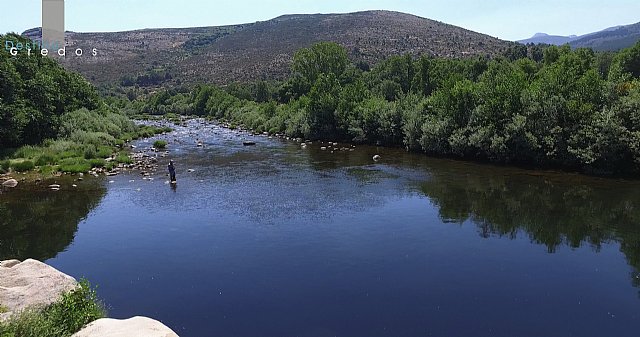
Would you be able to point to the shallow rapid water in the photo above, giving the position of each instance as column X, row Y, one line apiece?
column 280, row 240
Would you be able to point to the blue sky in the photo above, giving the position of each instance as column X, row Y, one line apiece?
column 509, row 20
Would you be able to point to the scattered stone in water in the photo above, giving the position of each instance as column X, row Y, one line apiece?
column 324, row 148
column 111, row 181
column 74, row 185
column 191, row 170
column 376, row 157
column 11, row 183
column 54, row 186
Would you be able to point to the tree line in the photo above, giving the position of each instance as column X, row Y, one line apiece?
column 540, row 107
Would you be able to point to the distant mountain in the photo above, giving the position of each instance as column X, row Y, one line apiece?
column 610, row 39
column 264, row 50
column 548, row 39
column 613, row 38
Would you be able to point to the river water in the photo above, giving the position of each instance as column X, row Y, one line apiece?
column 279, row 240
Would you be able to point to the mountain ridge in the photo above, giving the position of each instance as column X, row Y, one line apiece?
column 264, row 49
column 608, row 39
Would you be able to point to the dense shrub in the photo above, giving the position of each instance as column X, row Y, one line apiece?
column 75, row 165
column 160, row 144
column 22, row 166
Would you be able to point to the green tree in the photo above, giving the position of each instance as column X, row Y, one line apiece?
column 323, row 104
column 629, row 60
column 324, row 58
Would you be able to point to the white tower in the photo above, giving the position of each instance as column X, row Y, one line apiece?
column 53, row 36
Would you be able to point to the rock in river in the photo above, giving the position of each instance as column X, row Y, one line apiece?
column 11, row 183
column 376, row 157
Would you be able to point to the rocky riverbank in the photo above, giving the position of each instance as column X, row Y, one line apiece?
column 144, row 161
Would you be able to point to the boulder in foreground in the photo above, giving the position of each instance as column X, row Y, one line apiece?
column 136, row 326
column 30, row 283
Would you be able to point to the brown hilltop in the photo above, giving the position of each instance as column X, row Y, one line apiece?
column 264, row 50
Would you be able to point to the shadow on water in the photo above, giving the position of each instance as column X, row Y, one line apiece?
column 39, row 223
column 552, row 209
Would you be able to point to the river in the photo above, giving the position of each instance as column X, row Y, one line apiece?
column 280, row 240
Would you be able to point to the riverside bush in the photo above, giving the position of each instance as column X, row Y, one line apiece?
column 75, row 165
column 160, row 144
column 23, row 166
column 63, row 318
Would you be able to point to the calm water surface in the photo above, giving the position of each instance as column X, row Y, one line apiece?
column 277, row 240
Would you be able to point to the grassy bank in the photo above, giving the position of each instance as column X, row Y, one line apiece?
column 61, row 319
column 87, row 140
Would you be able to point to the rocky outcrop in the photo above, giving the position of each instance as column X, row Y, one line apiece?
column 30, row 283
column 136, row 326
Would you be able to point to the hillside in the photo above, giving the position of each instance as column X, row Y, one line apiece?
column 265, row 49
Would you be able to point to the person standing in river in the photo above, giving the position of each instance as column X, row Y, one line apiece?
column 172, row 171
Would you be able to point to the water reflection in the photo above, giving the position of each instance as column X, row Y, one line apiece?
column 552, row 210
column 39, row 223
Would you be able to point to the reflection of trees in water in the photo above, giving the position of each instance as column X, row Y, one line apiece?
column 552, row 213
column 40, row 224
